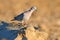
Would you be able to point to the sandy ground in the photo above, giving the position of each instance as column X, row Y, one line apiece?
column 47, row 16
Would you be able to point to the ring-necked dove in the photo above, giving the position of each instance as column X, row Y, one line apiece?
column 24, row 16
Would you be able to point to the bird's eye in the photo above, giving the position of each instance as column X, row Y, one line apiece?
column 31, row 8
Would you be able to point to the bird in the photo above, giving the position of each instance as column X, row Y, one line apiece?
column 24, row 16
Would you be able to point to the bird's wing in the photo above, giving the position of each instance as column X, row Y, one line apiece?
column 19, row 17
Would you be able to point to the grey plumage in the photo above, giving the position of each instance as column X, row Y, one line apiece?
column 24, row 16
column 19, row 17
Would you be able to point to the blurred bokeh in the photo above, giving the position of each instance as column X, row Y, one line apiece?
column 47, row 16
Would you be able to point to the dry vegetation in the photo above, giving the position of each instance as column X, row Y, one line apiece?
column 47, row 16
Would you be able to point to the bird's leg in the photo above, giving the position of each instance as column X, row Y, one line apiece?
column 24, row 23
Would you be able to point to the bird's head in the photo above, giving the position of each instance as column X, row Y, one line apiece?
column 33, row 8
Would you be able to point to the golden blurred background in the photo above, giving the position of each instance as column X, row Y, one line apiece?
column 47, row 16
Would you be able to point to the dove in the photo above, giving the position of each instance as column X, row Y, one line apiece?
column 24, row 16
